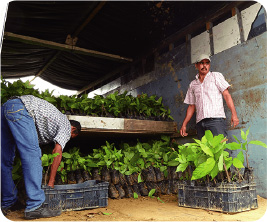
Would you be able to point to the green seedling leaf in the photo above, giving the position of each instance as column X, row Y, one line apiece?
column 240, row 156
column 44, row 159
column 206, row 150
column 243, row 135
column 209, row 135
column 140, row 178
column 247, row 132
column 236, row 139
column 106, row 213
column 220, row 163
column 214, row 171
column 173, row 163
column 182, row 167
column 55, row 154
column 163, row 168
column 203, row 169
column 151, row 192
column 237, row 163
column 217, row 140
column 160, row 200
column 135, row 195
column 66, row 155
column 244, row 146
column 256, row 142
column 233, row 146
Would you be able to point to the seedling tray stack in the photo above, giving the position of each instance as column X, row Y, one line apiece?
column 90, row 194
column 225, row 197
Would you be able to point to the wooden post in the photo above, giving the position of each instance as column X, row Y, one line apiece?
column 209, row 26
column 188, row 48
column 235, row 11
column 171, row 46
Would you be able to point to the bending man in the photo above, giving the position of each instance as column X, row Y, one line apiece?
column 28, row 121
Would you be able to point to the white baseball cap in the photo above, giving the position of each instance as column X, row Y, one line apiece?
column 201, row 57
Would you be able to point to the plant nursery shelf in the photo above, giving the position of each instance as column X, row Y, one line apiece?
column 125, row 126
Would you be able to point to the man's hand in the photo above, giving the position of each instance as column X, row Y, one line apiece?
column 189, row 113
column 230, row 104
column 55, row 165
column 183, row 131
column 234, row 121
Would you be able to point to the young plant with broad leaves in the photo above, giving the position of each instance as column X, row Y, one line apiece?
column 243, row 146
column 206, row 156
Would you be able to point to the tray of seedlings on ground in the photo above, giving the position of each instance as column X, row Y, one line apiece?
column 217, row 181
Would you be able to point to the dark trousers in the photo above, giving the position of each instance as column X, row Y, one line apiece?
column 215, row 125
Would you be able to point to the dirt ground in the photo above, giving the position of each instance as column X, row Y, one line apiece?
column 150, row 209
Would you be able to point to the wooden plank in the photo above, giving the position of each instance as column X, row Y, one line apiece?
column 63, row 47
column 121, row 125
column 98, row 123
column 150, row 126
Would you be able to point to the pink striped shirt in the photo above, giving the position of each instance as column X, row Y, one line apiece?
column 207, row 96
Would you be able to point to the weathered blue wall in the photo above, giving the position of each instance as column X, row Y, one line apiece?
column 244, row 67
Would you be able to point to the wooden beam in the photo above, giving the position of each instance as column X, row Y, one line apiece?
column 90, row 17
column 72, row 39
column 64, row 47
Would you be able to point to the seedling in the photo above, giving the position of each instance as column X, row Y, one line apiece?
column 243, row 146
column 135, row 195
column 47, row 160
column 160, row 200
column 151, row 193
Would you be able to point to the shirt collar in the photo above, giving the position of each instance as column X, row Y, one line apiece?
column 197, row 76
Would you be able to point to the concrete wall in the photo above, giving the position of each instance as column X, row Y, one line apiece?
column 244, row 67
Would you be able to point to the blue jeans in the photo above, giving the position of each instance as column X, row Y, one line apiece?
column 18, row 130
column 215, row 125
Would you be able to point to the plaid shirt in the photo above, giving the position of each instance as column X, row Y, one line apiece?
column 207, row 96
column 51, row 124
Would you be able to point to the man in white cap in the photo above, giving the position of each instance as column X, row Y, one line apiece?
column 204, row 96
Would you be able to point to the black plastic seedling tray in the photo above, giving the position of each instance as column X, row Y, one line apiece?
column 90, row 194
column 225, row 197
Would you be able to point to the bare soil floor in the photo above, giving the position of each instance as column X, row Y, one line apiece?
column 150, row 209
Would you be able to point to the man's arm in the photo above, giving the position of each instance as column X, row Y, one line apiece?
column 55, row 165
column 229, row 101
column 189, row 113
